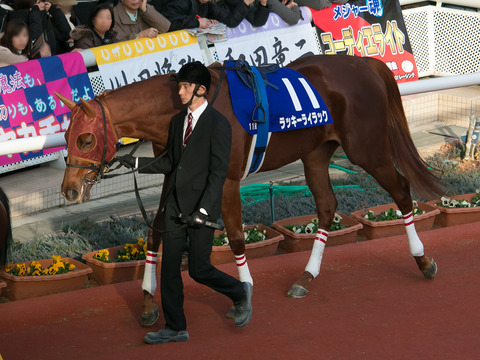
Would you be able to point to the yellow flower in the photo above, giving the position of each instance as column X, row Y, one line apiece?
column 60, row 265
column 140, row 242
column 106, row 252
column 145, row 247
column 134, row 252
column 71, row 267
column 45, row 272
column 128, row 247
column 36, row 273
column 29, row 270
column 21, row 272
column 38, row 266
column 107, row 258
column 52, row 270
column 33, row 264
column 57, row 258
column 9, row 267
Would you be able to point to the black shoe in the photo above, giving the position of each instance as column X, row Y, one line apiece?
column 243, row 308
column 166, row 335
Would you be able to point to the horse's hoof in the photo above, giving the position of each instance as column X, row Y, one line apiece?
column 297, row 292
column 150, row 318
column 231, row 313
column 431, row 271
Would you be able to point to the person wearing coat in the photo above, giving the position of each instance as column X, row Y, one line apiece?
column 189, row 14
column 134, row 21
column 198, row 152
column 43, row 18
column 98, row 31
column 257, row 13
column 14, row 43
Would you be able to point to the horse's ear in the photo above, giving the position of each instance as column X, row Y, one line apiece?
column 69, row 103
column 87, row 109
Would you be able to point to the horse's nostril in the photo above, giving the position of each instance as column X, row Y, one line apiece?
column 71, row 195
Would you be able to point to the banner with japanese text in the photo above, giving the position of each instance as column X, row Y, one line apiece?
column 135, row 60
column 373, row 28
column 274, row 43
column 28, row 106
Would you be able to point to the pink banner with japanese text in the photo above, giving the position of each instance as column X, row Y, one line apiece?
column 28, row 105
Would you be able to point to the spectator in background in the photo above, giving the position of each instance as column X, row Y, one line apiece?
column 98, row 31
column 61, row 24
column 66, row 6
column 288, row 10
column 15, row 43
column 46, row 24
column 188, row 14
column 257, row 12
column 136, row 19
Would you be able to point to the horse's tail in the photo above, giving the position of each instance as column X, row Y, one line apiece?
column 403, row 150
column 5, row 243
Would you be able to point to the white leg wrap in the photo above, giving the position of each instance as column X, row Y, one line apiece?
column 149, row 279
column 414, row 243
column 243, row 271
column 313, row 265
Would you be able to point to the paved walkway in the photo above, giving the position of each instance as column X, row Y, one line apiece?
column 369, row 302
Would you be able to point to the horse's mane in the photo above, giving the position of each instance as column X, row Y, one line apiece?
column 3, row 250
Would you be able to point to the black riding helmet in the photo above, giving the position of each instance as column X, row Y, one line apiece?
column 195, row 73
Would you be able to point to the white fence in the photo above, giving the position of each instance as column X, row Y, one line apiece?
column 444, row 41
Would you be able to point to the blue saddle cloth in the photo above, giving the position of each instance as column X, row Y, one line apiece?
column 293, row 103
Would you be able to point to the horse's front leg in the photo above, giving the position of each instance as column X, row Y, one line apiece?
column 232, row 216
column 318, row 180
column 149, row 284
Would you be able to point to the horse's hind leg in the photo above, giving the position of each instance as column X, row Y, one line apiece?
column 318, row 180
column 399, row 189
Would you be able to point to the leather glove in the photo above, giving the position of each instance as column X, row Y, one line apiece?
column 129, row 161
column 197, row 219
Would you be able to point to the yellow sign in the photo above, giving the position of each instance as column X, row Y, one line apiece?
column 133, row 48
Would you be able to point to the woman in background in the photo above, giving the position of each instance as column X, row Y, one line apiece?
column 99, row 30
column 15, row 43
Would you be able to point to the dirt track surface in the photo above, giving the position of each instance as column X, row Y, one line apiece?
column 369, row 302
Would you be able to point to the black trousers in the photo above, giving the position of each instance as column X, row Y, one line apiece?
column 199, row 244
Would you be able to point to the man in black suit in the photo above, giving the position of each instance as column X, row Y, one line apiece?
column 196, row 164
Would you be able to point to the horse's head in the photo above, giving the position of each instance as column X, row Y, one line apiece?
column 91, row 142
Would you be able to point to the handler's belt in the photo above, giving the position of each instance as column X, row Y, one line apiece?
column 185, row 219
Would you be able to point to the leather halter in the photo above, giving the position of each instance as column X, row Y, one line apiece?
column 99, row 159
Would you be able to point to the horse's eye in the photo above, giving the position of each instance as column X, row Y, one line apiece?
column 87, row 144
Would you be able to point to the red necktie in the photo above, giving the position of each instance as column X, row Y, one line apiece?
column 189, row 130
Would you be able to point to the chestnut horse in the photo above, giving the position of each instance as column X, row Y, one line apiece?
column 368, row 122
column 5, row 228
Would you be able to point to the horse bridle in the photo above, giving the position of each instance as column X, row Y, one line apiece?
column 101, row 168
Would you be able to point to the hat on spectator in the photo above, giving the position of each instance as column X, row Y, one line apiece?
column 65, row 2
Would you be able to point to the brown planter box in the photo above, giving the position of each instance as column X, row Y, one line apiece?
column 24, row 287
column 301, row 242
column 268, row 247
column 381, row 229
column 115, row 272
column 456, row 216
column 3, row 284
